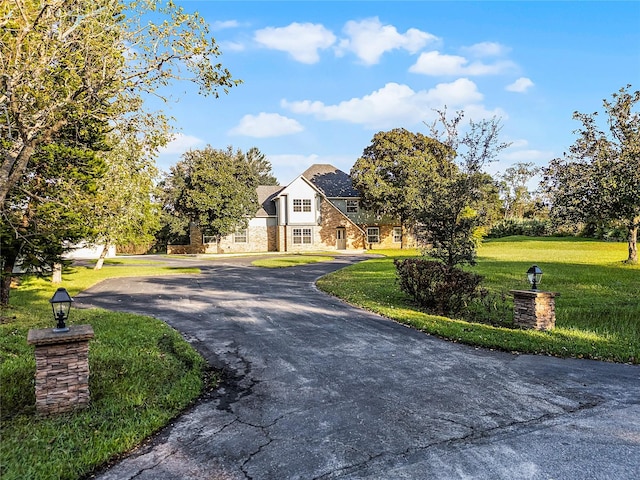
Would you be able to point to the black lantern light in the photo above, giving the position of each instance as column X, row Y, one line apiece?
column 61, row 304
column 534, row 275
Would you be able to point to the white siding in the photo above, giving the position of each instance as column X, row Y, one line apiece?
column 300, row 190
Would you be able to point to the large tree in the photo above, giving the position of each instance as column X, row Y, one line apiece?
column 598, row 180
column 66, row 61
column 51, row 208
column 392, row 170
column 70, row 65
column 215, row 189
column 514, row 186
column 124, row 211
column 261, row 166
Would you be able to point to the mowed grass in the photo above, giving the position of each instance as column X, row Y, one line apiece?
column 597, row 312
column 142, row 375
column 289, row 261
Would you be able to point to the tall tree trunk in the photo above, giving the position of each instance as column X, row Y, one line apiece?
column 103, row 254
column 56, row 273
column 13, row 167
column 633, row 245
column 8, row 262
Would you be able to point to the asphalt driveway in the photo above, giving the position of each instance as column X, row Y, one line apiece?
column 316, row 389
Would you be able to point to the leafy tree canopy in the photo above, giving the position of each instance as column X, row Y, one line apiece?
column 392, row 170
column 69, row 68
column 598, row 180
column 124, row 209
column 68, row 61
column 461, row 201
column 517, row 198
column 216, row 189
column 51, row 208
column 260, row 166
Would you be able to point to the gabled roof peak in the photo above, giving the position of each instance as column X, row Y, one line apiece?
column 331, row 181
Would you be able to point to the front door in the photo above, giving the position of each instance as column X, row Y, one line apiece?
column 341, row 238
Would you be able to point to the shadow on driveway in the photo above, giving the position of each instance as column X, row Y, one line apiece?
column 316, row 389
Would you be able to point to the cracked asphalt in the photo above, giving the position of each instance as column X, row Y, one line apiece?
column 315, row 389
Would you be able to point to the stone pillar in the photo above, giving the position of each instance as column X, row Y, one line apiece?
column 534, row 309
column 62, row 368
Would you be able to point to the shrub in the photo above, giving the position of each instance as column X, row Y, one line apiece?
column 491, row 308
column 608, row 232
column 438, row 288
column 530, row 227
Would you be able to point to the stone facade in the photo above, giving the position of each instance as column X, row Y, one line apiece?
column 318, row 211
column 258, row 238
column 331, row 220
column 62, row 368
column 324, row 234
column 195, row 243
column 534, row 309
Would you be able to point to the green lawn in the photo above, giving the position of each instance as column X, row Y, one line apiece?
column 142, row 375
column 597, row 312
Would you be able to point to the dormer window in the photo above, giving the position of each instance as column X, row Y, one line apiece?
column 301, row 204
column 352, row 206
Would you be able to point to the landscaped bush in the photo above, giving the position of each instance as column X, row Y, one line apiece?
column 597, row 312
column 490, row 308
column 436, row 287
column 529, row 227
column 609, row 232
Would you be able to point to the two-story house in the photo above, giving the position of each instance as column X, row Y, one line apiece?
column 318, row 211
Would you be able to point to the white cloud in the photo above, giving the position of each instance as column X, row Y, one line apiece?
column 301, row 40
column 529, row 155
column 221, row 25
column 395, row 105
column 519, row 143
column 521, row 85
column 180, row 144
column 227, row 46
column 510, row 157
column 265, row 125
column 369, row 40
column 486, row 49
column 435, row 63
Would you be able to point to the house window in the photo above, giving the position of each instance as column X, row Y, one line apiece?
column 352, row 206
column 208, row 239
column 301, row 235
column 240, row 236
column 301, row 205
column 373, row 235
column 397, row 234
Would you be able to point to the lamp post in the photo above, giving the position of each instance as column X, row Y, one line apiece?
column 61, row 305
column 534, row 275
column 62, row 361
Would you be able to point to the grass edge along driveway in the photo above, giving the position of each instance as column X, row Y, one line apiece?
column 597, row 313
column 143, row 374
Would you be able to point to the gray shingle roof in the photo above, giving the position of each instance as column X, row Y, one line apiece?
column 330, row 181
column 266, row 194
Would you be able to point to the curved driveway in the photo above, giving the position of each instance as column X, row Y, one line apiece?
column 316, row 389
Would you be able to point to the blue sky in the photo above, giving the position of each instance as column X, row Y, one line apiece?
column 321, row 78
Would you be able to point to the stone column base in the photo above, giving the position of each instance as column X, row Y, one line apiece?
column 62, row 368
column 534, row 309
